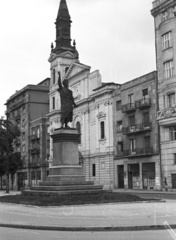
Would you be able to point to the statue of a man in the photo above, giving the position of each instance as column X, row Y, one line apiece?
column 67, row 102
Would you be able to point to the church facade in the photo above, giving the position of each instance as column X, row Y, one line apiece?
column 93, row 115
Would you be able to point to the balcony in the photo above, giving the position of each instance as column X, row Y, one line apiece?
column 138, row 128
column 34, row 136
column 17, row 117
column 127, row 108
column 17, row 104
column 138, row 152
column 143, row 103
column 35, row 151
column 35, row 164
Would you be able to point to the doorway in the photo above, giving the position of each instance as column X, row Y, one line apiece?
column 173, row 180
column 120, row 170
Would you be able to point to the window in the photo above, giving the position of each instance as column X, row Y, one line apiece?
column 147, row 142
column 53, row 102
column 132, row 120
column 175, row 158
column 93, row 170
column 118, row 105
column 119, row 126
column 145, row 93
column 23, row 148
column 133, row 145
column 165, row 16
column 166, row 40
column 174, row 11
column 171, row 100
column 38, row 132
column 78, row 127
column 131, row 98
column 33, row 175
column 54, row 76
column 173, row 133
column 146, row 118
column 102, row 130
column 25, row 176
column 23, row 123
column 168, row 69
column 38, row 175
column 66, row 69
column 23, row 136
column 120, row 147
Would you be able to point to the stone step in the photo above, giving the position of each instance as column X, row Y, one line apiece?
column 66, row 188
column 65, row 183
column 56, row 193
column 66, row 178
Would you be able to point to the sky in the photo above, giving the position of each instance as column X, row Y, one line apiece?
column 115, row 37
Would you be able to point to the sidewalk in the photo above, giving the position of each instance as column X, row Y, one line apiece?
column 102, row 217
column 145, row 191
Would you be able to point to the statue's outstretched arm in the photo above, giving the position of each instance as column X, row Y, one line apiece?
column 59, row 81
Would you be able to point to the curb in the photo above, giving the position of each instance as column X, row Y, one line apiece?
column 88, row 229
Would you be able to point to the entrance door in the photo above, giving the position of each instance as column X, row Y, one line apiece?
column 148, row 175
column 121, row 176
column 173, row 180
column 130, row 182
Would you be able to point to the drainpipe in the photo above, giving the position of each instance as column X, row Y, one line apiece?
column 159, row 135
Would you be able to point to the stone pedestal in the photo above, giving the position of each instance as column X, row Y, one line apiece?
column 65, row 156
column 66, row 175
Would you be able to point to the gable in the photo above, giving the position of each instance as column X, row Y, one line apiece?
column 67, row 55
column 76, row 69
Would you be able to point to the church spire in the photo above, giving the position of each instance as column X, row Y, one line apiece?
column 63, row 27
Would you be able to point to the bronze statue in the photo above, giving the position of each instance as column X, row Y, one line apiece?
column 67, row 102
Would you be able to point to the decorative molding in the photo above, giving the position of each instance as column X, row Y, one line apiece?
column 101, row 115
column 166, row 113
column 96, row 106
column 108, row 102
column 85, row 112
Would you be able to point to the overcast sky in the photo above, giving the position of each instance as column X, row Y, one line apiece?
column 114, row 36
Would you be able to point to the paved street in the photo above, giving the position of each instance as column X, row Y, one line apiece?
column 102, row 215
column 18, row 234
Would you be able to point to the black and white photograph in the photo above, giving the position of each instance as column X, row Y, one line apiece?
column 88, row 119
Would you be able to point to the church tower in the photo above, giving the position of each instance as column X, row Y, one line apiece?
column 63, row 31
column 63, row 54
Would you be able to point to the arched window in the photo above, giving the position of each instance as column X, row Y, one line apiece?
column 54, row 76
column 102, row 130
column 78, row 127
column 66, row 69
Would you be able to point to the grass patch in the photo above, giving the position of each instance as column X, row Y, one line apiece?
column 73, row 199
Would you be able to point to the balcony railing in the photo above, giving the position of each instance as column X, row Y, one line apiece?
column 35, row 150
column 130, row 107
column 17, row 104
column 138, row 128
column 35, row 136
column 138, row 152
column 143, row 103
column 38, row 164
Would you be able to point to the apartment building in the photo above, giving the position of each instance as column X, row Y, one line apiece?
column 136, row 139
column 39, row 150
column 26, row 105
column 164, row 13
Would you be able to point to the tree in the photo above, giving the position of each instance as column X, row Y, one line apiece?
column 10, row 160
column 15, row 163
